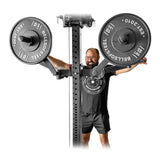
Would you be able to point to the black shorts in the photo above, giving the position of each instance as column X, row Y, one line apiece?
column 98, row 120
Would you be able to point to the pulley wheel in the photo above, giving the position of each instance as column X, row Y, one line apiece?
column 93, row 85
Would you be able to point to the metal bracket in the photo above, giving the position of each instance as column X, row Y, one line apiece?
column 48, row 64
column 70, row 20
column 59, row 73
column 97, row 70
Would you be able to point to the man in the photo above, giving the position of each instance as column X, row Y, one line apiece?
column 94, row 107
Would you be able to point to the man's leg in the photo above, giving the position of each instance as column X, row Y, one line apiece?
column 85, row 139
column 104, row 139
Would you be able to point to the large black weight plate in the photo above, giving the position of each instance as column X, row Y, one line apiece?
column 31, row 40
column 124, row 39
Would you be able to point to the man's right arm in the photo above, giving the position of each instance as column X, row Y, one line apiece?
column 58, row 63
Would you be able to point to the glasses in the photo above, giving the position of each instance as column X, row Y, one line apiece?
column 91, row 57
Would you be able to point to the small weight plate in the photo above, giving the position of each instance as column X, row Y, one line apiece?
column 93, row 85
column 31, row 40
column 124, row 39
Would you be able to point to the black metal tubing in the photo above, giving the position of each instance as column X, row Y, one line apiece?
column 77, row 126
column 64, row 73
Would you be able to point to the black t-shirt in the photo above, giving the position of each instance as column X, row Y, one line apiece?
column 96, row 103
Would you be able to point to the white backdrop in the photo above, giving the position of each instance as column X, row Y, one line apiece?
column 34, row 118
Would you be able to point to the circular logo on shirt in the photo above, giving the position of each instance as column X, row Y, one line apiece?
column 93, row 85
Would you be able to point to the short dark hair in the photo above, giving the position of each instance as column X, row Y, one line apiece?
column 93, row 49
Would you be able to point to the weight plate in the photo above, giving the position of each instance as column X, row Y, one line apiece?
column 31, row 40
column 93, row 85
column 124, row 39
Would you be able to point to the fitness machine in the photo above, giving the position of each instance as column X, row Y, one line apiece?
column 123, row 40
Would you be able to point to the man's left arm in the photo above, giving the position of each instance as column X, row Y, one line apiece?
column 129, row 69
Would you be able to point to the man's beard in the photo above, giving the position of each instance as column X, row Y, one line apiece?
column 91, row 65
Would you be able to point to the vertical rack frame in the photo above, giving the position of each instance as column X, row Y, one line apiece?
column 77, row 127
column 76, row 22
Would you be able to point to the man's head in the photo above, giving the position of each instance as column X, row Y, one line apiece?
column 92, row 57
